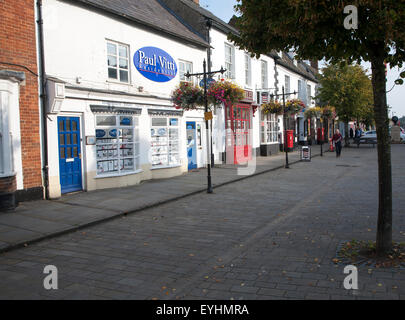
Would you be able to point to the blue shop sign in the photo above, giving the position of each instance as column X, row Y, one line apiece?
column 155, row 64
column 210, row 81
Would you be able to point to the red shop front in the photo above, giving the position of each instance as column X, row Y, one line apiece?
column 238, row 120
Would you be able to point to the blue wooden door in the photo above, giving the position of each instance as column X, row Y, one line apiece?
column 191, row 145
column 70, row 164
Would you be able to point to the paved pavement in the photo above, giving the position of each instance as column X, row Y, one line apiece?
column 37, row 220
column 271, row 236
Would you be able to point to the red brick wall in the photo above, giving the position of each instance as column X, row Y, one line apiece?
column 18, row 45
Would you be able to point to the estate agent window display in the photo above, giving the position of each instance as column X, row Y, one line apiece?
column 165, row 150
column 117, row 144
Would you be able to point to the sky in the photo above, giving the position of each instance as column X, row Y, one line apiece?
column 396, row 98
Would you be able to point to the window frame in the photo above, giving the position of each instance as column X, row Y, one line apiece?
column 268, row 128
column 309, row 99
column 265, row 74
column 248, row 70
column 118, row 57
column 6, row 144
column 300, row 93
column 136, row 145
column 185, row 63
column 287, row 87
column 230, row 71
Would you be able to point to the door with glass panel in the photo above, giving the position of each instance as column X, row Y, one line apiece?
column 70, row 164
column 191, row 145
column 238, row 119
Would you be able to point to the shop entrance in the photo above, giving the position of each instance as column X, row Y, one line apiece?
column 70, row 164
column 238, row 146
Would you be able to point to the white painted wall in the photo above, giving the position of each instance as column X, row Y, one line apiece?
column 218, row 41
column 75, row 46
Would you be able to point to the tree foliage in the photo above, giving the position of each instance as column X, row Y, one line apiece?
column 314, row 29
column 348, row 88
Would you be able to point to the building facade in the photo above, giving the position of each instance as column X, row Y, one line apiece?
column 20, row 125
column 111, row 68
column 243, row 129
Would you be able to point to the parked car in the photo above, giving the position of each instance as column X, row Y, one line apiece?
column 373, row 134
column 369, row 134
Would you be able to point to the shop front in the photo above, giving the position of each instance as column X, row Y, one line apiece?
column 95, row 144
column 238, row 120
column 269, row 134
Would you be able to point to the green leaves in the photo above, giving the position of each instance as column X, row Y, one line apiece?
column 348, row 89
column 315, row 29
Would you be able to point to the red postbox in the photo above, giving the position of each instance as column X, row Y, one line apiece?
column 290, row 139
column 321, row 134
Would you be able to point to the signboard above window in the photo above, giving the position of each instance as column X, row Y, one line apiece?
column 155, row 64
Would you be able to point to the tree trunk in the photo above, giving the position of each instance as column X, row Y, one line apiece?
column 384, row 225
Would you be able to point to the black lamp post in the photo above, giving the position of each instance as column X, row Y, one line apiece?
column 284, row 123
column 285, row 132
column 209, row 139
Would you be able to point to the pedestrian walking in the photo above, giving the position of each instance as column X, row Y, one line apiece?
column 337, row 140
column 351, row 133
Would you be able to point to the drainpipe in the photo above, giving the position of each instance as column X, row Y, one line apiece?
column 43, row 99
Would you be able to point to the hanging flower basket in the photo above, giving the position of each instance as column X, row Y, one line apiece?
column 187, row 96
column 291, row 107
column 314, row 112
column 294, row 106
column 273, row 107
column 328, row 112
column 224, row 92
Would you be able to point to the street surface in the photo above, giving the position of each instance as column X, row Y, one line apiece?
column 272, row 236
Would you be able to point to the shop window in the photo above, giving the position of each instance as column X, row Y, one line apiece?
column 185, row 67
column 165, row 142
column 268, row 128
column 118, row 61
column 117, row 144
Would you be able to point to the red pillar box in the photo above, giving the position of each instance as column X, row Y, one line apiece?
column 290, row 139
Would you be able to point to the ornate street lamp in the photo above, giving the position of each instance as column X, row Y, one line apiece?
column 284, row 122
column 209, row 136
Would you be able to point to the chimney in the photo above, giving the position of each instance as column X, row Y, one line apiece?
column 196, row 2
column 314, row 64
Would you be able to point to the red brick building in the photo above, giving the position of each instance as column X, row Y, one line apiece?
column 20, row 145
